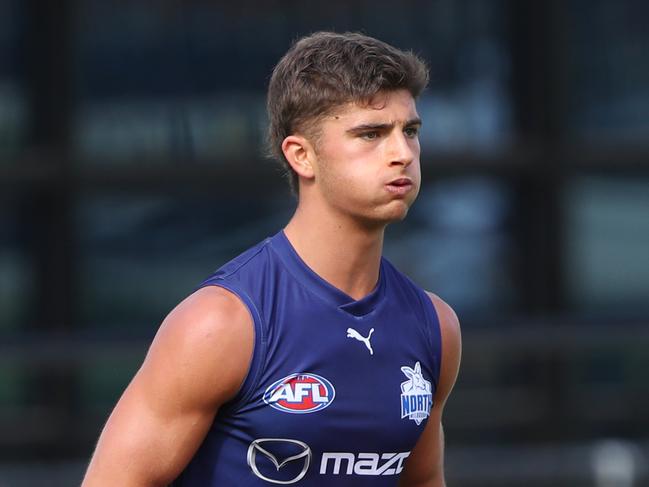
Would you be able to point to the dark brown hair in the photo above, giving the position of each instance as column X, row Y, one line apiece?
column 325, row 70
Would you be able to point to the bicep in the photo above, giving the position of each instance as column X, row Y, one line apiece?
column 425, row 465
column 142, row 445
column 196, row 362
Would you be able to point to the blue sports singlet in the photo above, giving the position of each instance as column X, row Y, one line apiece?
column 338, row 390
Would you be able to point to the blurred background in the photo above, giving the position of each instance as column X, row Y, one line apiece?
column 131, row 167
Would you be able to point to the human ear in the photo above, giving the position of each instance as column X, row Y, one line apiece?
column 298, row 153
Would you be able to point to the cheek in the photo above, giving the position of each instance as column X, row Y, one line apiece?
column 348, row 186
column 347, row 167
column 416, row 172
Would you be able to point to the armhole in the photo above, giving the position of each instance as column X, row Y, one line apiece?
column 434, row 332
column 258, row 351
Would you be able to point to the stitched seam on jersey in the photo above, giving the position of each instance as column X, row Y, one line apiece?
column 320, row 296
column 431, row 316
column 247, row 261
column 430, row 311
column 251, row 380
column 298, row 280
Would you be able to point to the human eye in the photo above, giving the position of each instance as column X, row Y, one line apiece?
column 411, row 132
column 369, row 135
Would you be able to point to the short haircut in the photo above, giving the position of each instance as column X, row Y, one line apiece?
column 326, row 70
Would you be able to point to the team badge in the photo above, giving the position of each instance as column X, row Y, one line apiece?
column 300, row 393
column 416, row 395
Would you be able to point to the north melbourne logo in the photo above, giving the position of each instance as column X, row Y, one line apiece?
column 416, row 395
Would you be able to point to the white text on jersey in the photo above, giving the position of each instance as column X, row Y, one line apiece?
column 363, row 463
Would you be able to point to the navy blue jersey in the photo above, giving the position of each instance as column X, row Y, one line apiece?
column 338, row 390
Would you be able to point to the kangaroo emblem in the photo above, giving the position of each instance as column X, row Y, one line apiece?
column 416, row 395
column 351, row 333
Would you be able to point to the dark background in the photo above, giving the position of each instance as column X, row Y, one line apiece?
column 131, row 166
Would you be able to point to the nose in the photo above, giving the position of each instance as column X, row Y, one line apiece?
column 402, row 150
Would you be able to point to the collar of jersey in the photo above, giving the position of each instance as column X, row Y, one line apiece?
column 298, row 268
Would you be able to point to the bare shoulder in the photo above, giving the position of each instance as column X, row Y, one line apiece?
column 451, row 344
column 197, row 362
column 207, row 312
column 448, row 320
column 207, row 339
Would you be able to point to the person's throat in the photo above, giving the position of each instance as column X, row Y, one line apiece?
column 349, row 261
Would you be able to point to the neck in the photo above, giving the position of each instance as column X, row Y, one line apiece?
column 343, row 253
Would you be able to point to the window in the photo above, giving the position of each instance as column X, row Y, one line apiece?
column 13, row 105
column 607, row 74
column 141, row 255
column 187, row 81
column 458, row 242
column 607, row 244
column 16, row 262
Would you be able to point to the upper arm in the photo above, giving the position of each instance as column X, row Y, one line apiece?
column 197, row 362
column 451, row 349
column 425, row 463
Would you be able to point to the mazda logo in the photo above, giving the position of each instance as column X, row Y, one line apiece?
column 264, row 445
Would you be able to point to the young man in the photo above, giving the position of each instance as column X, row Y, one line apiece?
column 309, row 359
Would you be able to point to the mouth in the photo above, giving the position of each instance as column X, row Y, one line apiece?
column 400, row 186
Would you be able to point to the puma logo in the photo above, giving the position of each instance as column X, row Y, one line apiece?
column 351, row 333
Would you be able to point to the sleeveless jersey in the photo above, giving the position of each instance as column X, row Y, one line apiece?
column 338, row 391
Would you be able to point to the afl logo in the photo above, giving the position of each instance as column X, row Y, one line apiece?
column 300, row 394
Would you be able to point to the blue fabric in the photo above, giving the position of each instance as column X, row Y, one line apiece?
column 321, row 404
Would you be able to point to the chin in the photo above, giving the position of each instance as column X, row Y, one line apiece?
column 399, row 208
column 399, row 217
column 395, row 213
column 383, row 214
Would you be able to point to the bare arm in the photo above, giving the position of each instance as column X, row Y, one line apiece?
column 425, row 465
column 197, row 361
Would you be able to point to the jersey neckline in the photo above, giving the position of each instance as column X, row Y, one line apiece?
column 316, row 284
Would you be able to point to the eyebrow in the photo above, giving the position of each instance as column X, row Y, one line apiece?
column 382, row 126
